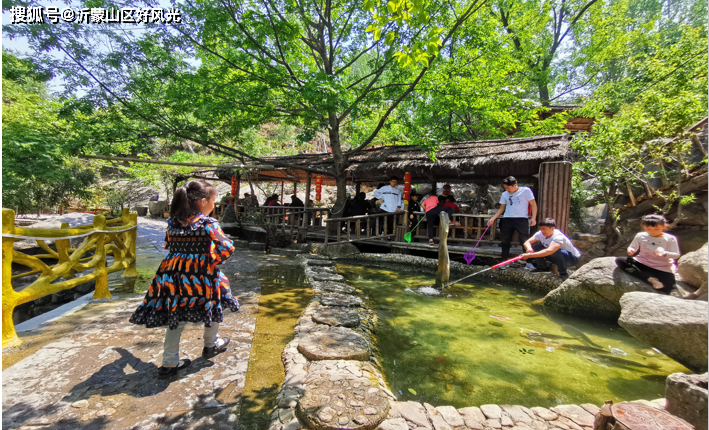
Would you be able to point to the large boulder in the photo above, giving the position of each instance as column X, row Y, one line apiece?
column 675, row 326
column 595, row 290
column 693, row 266
column 157, row 208
column 336, row 250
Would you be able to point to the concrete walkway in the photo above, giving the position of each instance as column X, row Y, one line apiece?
column 103, row 374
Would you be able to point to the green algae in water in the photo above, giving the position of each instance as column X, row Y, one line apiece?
column 284, row 297
column 481, row 343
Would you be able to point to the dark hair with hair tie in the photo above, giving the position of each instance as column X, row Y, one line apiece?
column 184, row 203
column 653, row 220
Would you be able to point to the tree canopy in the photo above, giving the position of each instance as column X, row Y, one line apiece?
column 377, row 72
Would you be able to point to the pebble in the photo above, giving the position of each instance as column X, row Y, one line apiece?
column 106, row 412
column 80, row 404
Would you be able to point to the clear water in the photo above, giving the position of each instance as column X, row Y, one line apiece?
column 482, row 342
column 284, row 297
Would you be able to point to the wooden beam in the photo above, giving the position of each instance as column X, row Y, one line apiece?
column 174, row 163
column 630, row 193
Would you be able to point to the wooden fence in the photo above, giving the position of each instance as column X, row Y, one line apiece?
column 369, row 227
column 287, row 218
column 99, row 238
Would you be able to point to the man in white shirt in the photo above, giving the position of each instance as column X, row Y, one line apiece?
column 515, row 203
column 393, row 202
column 551, row 246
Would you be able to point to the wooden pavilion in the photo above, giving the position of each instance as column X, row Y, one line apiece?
column 542, row 162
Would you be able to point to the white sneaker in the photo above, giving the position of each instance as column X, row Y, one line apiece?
column 529, row 266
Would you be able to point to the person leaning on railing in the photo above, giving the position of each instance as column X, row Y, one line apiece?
column 433, row 207
column 393, row 202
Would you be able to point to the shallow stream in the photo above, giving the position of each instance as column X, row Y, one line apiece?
column 481, row 342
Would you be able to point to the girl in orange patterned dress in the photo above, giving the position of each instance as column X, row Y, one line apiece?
column 188, row 287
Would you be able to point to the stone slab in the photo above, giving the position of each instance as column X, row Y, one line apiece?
column 338, row 343
column 335, row 287
column 257, row 246
column 342, row 404
column 327, row 277
column 334, row 299
column 336, row 317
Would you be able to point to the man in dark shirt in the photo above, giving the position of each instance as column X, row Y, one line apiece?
column 295, row 202
column 360, row 206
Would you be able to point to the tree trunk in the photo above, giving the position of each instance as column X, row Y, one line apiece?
column 543, row 93
column 340, row 164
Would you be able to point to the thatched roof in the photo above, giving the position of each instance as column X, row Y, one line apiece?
column 486, row 161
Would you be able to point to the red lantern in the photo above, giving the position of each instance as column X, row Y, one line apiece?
column 233, row 186
column 407, row 186
column 318, row 189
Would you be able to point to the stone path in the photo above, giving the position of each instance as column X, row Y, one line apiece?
column 103, row 374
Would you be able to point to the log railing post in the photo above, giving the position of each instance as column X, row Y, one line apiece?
column 130, row 238
column 101, row 291
column 9, row 296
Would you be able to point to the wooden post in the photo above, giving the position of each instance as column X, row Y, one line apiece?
column 283, row 184
column 9, row 296
column 238, row 190
column 400, row 233
column 358, row 188
column 444, row 270
column 327, row 231
column 101, row 291
column 554, row 194
column 130, row 239
column 358, row 226
column 306, row 202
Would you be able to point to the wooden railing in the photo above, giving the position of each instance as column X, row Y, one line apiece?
column 470, row 230
column 289, row 218
column 376, row 226
column 362, row 228
column 103, row 240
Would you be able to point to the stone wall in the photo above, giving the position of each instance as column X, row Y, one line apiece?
column 591, row 246
column 687, row 398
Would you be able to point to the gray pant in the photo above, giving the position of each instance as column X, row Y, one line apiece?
column 171, row 349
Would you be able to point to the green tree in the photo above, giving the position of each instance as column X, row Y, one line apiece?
column 36, row 171
column 541, row 34
column 664, row 92
column 305, row 63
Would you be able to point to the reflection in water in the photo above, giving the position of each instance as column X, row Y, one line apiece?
column 284, row 296
column 482, row 343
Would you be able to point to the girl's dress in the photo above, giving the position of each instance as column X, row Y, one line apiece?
column 188, row 286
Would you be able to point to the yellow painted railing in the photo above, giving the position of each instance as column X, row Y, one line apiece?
column 118, row 241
